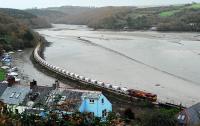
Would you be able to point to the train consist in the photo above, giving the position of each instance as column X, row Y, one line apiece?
column 122, row 90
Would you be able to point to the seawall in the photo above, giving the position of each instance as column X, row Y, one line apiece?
column 81, row 82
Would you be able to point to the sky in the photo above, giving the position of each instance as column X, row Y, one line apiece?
column 24, row 4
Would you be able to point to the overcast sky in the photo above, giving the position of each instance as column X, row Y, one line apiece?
column 23, row 4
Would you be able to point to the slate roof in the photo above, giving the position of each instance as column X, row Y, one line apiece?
column 15, row 95
column 73, row 96
column 33, row 110
column 192, row 115
column 43, row 91
column 3, row 87
column 91, row 95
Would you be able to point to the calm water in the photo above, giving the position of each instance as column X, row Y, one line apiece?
column 138, row 60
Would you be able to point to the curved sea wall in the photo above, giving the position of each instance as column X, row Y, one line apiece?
column 122, row 91
column 76, row 77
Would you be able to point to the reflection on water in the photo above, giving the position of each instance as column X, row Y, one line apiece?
column 138, row 60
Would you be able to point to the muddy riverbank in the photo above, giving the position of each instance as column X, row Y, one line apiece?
column 27, row 71
column 170, row 60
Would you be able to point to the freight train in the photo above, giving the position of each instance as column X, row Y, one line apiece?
column 122, row 90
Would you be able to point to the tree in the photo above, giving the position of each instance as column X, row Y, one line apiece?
column 160, row 119
column 129, row 114
column 28, row 35
column 1, row 49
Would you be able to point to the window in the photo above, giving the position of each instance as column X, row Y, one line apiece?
column 92, row 114
column 181, row 117
column 91, row 101
column 102, row 100
column 104, row 113
column 17, row 96
column 11, row 96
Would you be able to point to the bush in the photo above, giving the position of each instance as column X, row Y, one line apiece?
column 129, row 114
column 162, row 117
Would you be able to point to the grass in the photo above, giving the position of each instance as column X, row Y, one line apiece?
column 195, row 6
column 2, row 75
column 168, row 13
column 172, row 12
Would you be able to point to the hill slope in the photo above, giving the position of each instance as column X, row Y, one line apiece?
column 14, row 34
column 164, row 18
column 29, row 19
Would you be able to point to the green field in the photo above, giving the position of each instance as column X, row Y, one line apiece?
column 2, row 75
column 195, row 6
column 168, row 13
column 172, row 12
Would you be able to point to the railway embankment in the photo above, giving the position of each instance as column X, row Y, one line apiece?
column 117, row 94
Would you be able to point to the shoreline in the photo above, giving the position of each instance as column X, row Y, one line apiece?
column 75, row 83
column 27, row 72
column 119, row 103
column 66, row 38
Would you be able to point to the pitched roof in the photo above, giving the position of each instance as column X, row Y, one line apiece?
column 15, row 94
column 194, row 114
column 91, row 95
column 3, row 87
column 43, row 91
column 73, row 97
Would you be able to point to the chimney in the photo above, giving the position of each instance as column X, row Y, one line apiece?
column 33, row 84
column 56, row 85
column 11, row 81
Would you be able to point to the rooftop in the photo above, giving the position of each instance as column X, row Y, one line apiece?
column 194, row 114
column 15, row 94
column 3, row 87
column 72, row 98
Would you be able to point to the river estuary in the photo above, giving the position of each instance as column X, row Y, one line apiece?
column 167, row 64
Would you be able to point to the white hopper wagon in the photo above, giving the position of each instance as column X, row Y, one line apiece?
column 71, row 74
column 81, row 77
column 100, row 83
column 63, row 71
column 87, row 79
column 108, row 85
column 76, row 75
column 124, row 90
column 94, row 81
column 116, row 88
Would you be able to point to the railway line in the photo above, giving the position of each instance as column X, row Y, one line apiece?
column 116, row 90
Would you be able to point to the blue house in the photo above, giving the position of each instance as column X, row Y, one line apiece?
column 96, row 103
column 83, row 101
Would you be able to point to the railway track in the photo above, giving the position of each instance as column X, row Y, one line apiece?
column 89, row 82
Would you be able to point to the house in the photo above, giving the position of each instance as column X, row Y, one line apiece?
column 38, row 94
column 6, row 59
column 71, row 100
column 189, row 116
column 15, row 94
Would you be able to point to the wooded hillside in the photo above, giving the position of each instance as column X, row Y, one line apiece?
column 164, row 18
column 14, row 34
column 28, row 19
